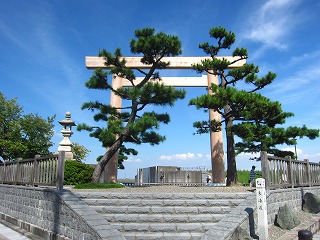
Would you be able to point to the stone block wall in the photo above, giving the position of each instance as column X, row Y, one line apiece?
column 241, row 222
column 53, row 214
column 61, row 215
column 291, row 196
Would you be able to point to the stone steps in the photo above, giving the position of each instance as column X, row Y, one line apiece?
column 160, row 196
column 162, row 215
column 163, row 235
column 165, row 202
column 160, row 210
column 163, row 227
column 163, row 218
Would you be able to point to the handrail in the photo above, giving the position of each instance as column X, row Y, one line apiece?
column 280, row 172
column 37, row 171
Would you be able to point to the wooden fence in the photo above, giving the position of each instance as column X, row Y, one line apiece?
column 38, row 171
column 285, row 172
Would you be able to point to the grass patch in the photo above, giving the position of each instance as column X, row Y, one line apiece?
column 244, row 176
column 98, row 185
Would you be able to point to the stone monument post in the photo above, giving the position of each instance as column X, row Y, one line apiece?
column 66, row 144
column 262, row 209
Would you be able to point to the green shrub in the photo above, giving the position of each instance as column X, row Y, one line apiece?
column 77, row 172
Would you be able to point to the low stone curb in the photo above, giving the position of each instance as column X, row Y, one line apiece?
column 97, row 222
column 239, row 222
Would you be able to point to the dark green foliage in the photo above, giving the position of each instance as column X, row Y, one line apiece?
column 247, row 114
column 36, row 134
column 155, row 46
column 231, row 103
column 23, row 136
column 98, row 185
column 131, row 123
column 242, row 105
column 123, row 155
column 258, row 137
column 77, row 172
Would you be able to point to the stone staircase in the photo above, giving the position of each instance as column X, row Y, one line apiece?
column 162, row 215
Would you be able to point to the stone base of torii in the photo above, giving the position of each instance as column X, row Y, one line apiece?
column 216, row 140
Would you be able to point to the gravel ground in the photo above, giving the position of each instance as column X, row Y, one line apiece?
column 275, row 232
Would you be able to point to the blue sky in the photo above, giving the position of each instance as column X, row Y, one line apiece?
column 43, row 45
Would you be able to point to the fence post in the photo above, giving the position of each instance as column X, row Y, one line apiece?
column 290, row 171
column 18, row 174
column 265, row 169
column 34, row 173
column 308, row 172
column 3, row 172
column 60, row 170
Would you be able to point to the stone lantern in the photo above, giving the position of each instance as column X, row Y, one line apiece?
column 66, row 144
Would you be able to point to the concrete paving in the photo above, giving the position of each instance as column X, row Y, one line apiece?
column 316, row 236
column 7, row 233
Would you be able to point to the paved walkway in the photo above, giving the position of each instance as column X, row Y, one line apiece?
column 316, row 236
column 7, row 233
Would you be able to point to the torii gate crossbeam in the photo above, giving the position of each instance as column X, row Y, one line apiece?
column 175, row 62
column 216, row 140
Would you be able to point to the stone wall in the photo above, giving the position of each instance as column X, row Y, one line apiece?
column 241, row 222
column 290, row 196
column 53, row 214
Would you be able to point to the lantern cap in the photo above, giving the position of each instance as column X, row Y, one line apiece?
column 67, row 121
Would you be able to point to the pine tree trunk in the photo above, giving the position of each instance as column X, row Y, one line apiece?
column 114, row 148
column 104, row 160
column 231, row 157
column 111, row 169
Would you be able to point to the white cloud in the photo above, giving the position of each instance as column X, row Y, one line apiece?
column 133, row 160
column 292, row 149
column 306, row 57
column 249, row 155
column 272, row 23
column 199, row 155
column 182, row 156
column 301, row 83
column 312, row 157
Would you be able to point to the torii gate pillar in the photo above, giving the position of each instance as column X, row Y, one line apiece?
column 216, row 140
column 110, row 173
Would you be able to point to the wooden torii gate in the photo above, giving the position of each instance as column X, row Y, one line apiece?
column 216, row 140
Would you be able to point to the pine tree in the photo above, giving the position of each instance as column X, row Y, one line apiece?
column 247, row 73
column 256, row 116
column 132, row 123
column 257, row 137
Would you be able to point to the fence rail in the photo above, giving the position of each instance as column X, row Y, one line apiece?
column 285, row 172
column 37, row 171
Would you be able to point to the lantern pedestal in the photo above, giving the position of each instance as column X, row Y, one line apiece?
column 66, row 144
